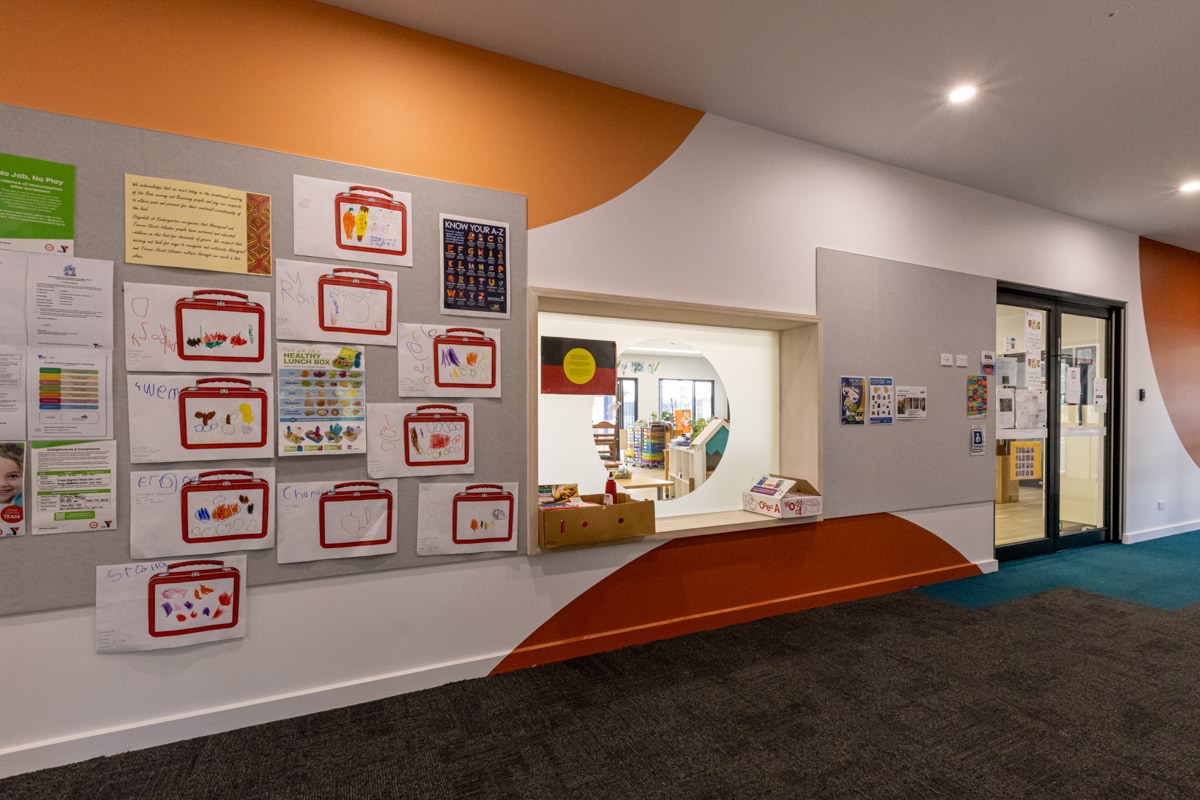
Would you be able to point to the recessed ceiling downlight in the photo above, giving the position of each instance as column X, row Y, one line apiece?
column 1190, row 186
column 962, row 94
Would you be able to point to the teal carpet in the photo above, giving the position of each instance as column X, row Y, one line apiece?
column 1164, row 574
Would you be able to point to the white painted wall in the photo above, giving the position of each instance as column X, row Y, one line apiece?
column 734, row 218
column 747, row 362
column 742, row 211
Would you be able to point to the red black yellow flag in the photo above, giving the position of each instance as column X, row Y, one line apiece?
column 578, row 366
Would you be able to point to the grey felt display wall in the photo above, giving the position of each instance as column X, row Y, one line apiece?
column 58, row 571
column 890, row 319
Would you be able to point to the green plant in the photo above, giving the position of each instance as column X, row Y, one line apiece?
column 698, row 425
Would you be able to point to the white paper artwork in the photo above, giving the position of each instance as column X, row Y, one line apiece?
column 201, row 511
column 187, row 329
column 200, row 417
column 448, row 361
column 408, row 439
column 326, row 303
column 466, row 518
column 328, row 519
column 153, row 605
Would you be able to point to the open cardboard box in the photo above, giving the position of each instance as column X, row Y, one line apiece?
column 599, row 524
column 782, row 497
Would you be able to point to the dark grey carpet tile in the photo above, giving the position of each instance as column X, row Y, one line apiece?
column 1058, row 695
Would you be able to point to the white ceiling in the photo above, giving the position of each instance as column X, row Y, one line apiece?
column 1080, row 110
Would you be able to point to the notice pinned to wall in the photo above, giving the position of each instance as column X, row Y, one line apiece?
column 325, row 303
column 322, row 399
column 853, row 403
column 69, row 393
column 12, row 488
column 200, row 417
column 474, row 267
column 37, row 205
column 881, row 401
column 911, row 402
column 977, row 396
column 171, row 223
column 73, row 486
column 56, row 300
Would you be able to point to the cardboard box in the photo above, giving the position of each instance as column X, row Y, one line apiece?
column 598, row 524
column 782, row 497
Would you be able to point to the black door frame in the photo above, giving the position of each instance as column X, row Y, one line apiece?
column 1056, row 303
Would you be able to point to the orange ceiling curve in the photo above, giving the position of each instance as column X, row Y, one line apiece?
column 300, row 77
column 695, row 584
column 1171, row 299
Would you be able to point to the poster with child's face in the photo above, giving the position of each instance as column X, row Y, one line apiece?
column 12, row 488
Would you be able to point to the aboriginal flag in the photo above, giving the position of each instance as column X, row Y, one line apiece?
column 578, row 366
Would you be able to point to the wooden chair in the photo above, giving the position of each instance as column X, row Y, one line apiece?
column 604, row 434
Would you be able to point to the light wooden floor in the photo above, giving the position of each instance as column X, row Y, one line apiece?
column 1022, row 521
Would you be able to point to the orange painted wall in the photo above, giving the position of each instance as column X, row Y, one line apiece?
column 690, row 585
column 1171, row 297
column 304, row 78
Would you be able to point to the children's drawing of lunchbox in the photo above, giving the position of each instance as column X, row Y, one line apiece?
column 464, row 358
column 482, row 513
column 354, row 301
column 436, row 434
column 224, row 505
column 356, row 514
column 194, row 596
column 222, row 412
column 218, row 325
column 371, row 220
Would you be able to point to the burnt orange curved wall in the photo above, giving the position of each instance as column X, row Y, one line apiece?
column 308, row 79
column 689, row 585
column 1171, row 301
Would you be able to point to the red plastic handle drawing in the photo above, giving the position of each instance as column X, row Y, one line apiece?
column 437, row 405
column 383, row 192
column 238, row 295
column 485, row 486
column 475, row 331
column 242, row 381
column 343, row 270
column 339, row 486
column 245, row 472
column 182, row 564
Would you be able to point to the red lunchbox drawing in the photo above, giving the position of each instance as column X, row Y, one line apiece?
column 219, row 325
column 437, row 435
column 224, row 505
column 370, row 220
column 354, row 301
column 214, row 416
column 356, row 514
column 464, row 358
column 194, row 596
column 482, row 513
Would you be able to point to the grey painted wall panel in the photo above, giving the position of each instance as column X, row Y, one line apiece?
column 57, row 571
column 890, row 319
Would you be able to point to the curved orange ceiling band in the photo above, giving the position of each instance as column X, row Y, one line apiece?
column 697, row 584
column 300, row 77
column 1170, row 297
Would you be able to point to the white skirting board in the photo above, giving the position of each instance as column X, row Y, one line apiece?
column 1133, row 537
column 179, row 727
